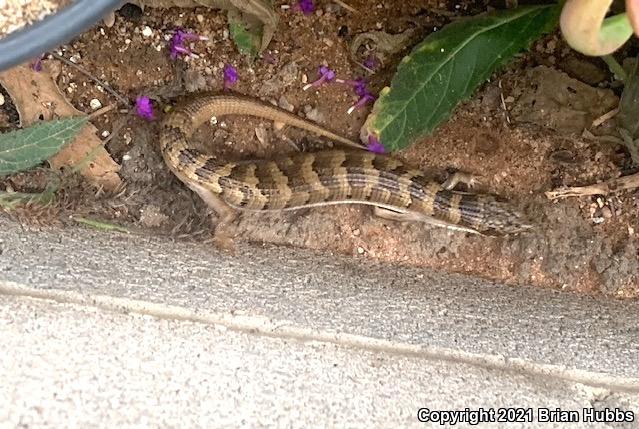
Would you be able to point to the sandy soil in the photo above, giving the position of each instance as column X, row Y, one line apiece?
column 587, row 245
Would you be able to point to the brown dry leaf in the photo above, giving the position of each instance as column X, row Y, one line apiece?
column 385, row 44
column 37, row 97
column 552, row 99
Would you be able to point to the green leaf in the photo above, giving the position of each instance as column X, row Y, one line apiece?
column 11, row 200
column 629, row 103
column 629, row 110
column 23, row 149
column 247, row 40
column 104, row 226
column 448, row 66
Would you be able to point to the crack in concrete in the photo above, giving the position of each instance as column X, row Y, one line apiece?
column 263, row 326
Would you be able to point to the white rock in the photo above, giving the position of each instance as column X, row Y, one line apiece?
column 95, row 104
column 147, row 32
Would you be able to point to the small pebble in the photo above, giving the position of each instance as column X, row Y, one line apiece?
column 147, row 32
column 95, row 104
column 314, row 115
column 109, row 19
column 285, row 104
column 200, row 18
column 606, row 212
column 1, row 100
column 105, row 134
column 360, row 250
column 262, row 135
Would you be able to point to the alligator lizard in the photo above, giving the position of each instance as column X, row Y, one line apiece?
column 320, row 178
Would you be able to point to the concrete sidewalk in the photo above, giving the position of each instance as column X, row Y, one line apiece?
column 102, row 329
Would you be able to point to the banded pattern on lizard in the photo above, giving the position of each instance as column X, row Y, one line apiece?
column 335, row 176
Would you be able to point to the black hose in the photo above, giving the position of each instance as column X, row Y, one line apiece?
column 53, row 31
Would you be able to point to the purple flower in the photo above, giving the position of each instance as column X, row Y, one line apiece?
column 306, row 6
column 37, row 65
column 230, row 76
column 180, row 37
column 144, row 108
column 360, row 88
column 359, row 85
column 363, row 100
column 374, row 144
column 326, row 75
column 371, row 62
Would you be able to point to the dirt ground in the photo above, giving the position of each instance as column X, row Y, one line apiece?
column 521, row 134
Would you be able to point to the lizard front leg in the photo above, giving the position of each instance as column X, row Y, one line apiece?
column 458, row 177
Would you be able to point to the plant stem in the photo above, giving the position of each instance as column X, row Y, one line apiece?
column 615, row 67
column 106, row 87
column 101, row 225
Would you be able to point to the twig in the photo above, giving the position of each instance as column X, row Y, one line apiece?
column 606, row 116
column 346, row 6
column 368, row 69
column 102, row 111
column 106, row 87
column 603, row 188
column 503, row 102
